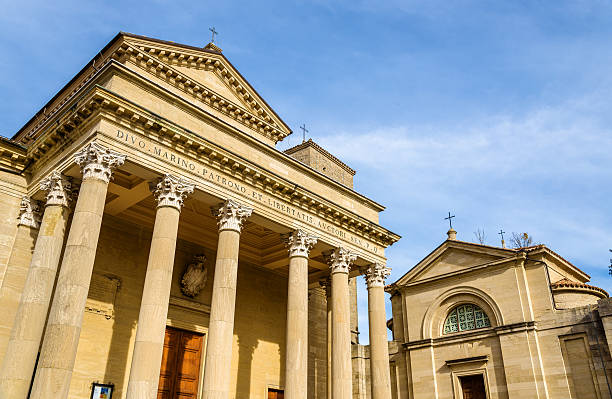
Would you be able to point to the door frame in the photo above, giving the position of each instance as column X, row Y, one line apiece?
column 458, row 390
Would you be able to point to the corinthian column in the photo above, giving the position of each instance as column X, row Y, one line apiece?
column 61, row 338
column 17, row 267
column 231, row 215
column 29, row 321
column 169, row 192
column 340, row 261
column 376, row 274
column 296, row 355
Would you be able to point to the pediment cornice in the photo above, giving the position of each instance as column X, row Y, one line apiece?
column 161, row 61
column 102, row 103
column 159, row 57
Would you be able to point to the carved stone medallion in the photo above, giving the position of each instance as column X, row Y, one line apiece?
column 195, row 276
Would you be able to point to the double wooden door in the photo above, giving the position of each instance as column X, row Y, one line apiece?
column 473, row 387
column 180, row 367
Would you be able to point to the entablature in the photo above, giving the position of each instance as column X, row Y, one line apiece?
column 99, row 103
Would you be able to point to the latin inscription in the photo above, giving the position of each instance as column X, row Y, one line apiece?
column 242, row 189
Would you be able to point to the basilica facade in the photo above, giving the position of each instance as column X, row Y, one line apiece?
column 155, row 244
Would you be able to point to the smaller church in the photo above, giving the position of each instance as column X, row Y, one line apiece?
column 473, row 321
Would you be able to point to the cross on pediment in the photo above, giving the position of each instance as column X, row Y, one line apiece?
column 214, row 32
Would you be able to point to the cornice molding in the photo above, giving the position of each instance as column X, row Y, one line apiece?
column 12, row 155
column 101, row 102
column 159, row 61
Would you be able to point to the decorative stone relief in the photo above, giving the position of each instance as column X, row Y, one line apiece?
column 98, row 162
column 195, row 276
column 29, row 213
column 299, row 243
column 171, row 191
column 231, row 215
column 376, row 274
column 59, row 189
column 340, row 260
column 102, row 294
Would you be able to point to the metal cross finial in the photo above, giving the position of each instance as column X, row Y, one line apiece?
column 450, row 220
column 304, row 131
column 501, row 233
column 214, row 32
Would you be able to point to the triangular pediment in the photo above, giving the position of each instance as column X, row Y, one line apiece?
column 451, row 258
column 208, row 75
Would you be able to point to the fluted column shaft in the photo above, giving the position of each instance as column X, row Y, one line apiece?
column 17, row 267
column 221, row 326
column 296, row 353
column 149, row 345
column 29, row 321
column 63, row 329
column 342, row 384
column 379, row 349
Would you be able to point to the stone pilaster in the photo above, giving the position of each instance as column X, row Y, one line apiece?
column 29, row 319
column 19, row 260
column 231, row 216
column 340, row 261
column 376, row 275
column 63, row 329
column 169, row 192
column 299, row 244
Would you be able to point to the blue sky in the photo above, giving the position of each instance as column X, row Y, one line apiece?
column 496, row 111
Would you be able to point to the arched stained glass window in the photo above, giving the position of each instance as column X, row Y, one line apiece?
column 466, row 317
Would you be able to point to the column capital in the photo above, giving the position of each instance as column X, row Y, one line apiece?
column 376, row 274
column 299, row 243
column 231, row 215
column 29, row 213
column 97, row 161
column 171, row 191
column 340, row 260
column 326, row 284
column 58, row 188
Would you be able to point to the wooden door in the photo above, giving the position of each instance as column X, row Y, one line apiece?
column 275, row 393
column 180, row 367
column 473, row 387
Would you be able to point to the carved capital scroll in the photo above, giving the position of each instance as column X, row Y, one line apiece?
column 376, row 274
column 299, row 243
column 29, row 213
column 231, row 215
column 340, row 260
column 171, row 191
column 98, row 162
column 58, row 188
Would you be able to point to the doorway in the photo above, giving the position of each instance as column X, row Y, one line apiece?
column 472, row 386
column 180, row 367
column 275, row 393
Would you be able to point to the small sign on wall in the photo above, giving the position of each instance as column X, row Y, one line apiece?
column 102, row 391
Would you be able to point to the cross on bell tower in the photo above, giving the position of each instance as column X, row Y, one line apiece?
column 304, row 131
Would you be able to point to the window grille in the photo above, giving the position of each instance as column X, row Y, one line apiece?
column 464, row 318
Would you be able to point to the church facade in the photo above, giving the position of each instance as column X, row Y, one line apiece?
column 155, row 244
column 475, row 321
